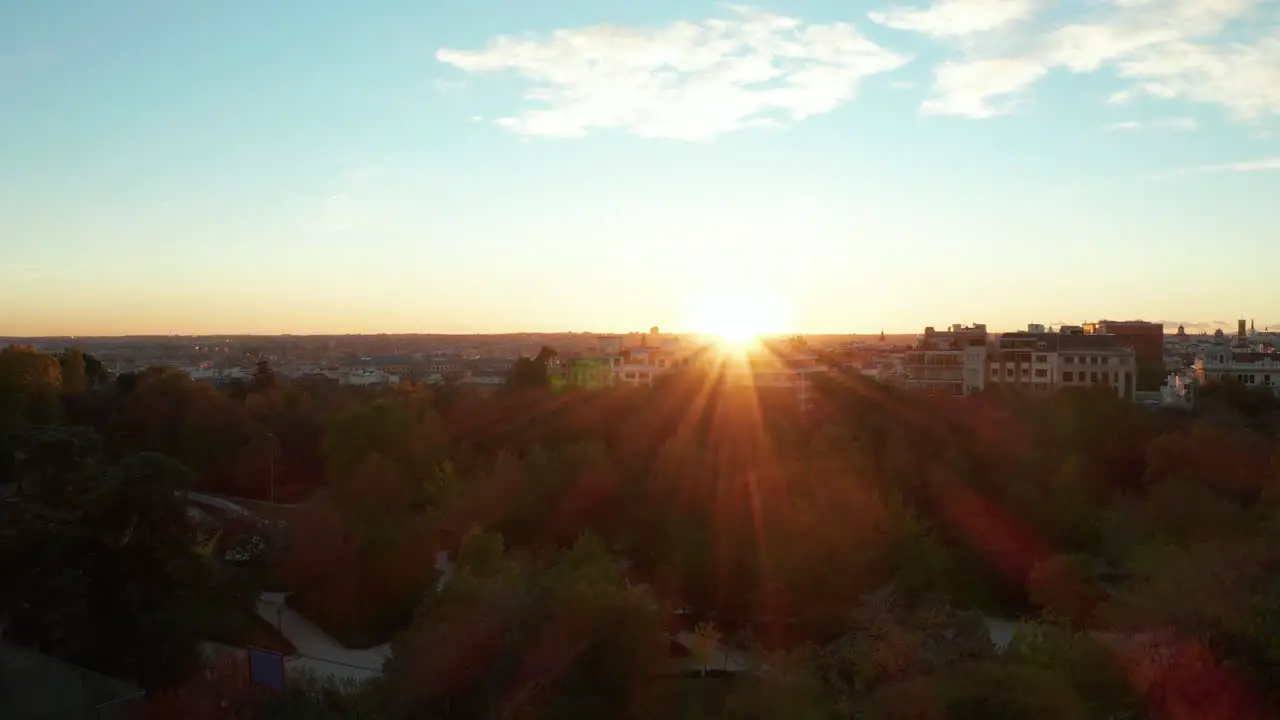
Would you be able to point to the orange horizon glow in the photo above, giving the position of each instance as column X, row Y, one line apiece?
column 737, row 317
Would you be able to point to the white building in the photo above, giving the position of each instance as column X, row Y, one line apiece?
column 1042, row 362
column 1247, row 366
column 794, row 373
column 949, row 362
column 367, row 376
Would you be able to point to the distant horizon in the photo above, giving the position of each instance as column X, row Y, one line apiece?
column 1169, row 329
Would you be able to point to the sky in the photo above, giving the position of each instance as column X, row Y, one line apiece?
column 239, row 166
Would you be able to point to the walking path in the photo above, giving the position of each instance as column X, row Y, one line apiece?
column 317, row 652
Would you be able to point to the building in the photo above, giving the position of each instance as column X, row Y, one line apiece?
column 1044, row 361
column 1147, row 341
column 1246, row 366
column 767, row 372
column 949, row 362
column 639, row 367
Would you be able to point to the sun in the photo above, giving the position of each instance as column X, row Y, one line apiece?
column 738, row 316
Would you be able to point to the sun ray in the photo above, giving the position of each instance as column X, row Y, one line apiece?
column 737, row 317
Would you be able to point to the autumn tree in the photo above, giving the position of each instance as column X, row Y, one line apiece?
column 507, row 638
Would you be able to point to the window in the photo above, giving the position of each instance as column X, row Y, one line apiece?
column 1266, row 379
column 995, row 371
column 1008, row 372
column 1026, row 370
column 1093, row 359
column 630, row 376
column 1106, row 360
column 1042, row 373
column 1042, row 358
column 1068, row 359
column 1067, row 377
column 1093, row 377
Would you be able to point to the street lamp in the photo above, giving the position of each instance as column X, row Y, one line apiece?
column 272, row 453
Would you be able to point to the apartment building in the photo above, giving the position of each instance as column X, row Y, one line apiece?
column 639, row 367
column 1040, row 361
column 790, row 374
column 949, row 362
column 1244, row 365
column 1147, row 341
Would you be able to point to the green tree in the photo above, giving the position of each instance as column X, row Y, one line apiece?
column 705, row 644
column 30, row 382
column 264, row 380
column 99, row 569
column 504, row 637
column 71, row 363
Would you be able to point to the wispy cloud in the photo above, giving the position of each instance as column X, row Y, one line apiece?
column 1180, row 124
column 954, row 18
column 689, row 80
column 1120, row 97
column 1127, row 126
column 982, row 88
column 1236, row 167
column 1167, row 48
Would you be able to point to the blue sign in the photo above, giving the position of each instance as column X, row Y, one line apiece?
column 266, row 669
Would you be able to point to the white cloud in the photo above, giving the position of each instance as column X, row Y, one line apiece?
column 1181, row 124
column 954, row 18
column 1169, row 48
column 1236, row 167
column 689, row 80
column 1245, row 79
column 1127, row 126
column 968, row 88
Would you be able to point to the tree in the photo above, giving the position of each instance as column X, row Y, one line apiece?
column 506, row 638
column 1067, row 586
column 30, row 382
column 264, row 380
column 531, row 373
column 704, row 644
column 99, row 569
column 74, row 375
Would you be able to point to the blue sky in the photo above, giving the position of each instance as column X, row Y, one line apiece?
column 189, row 166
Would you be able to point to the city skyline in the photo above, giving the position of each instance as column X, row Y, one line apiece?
column 235, row 168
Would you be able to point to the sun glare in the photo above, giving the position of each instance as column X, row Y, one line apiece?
column 738, row 316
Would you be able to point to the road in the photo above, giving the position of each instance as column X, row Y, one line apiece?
column 317, row 652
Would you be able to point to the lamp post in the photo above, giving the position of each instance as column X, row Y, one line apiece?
column 272, row 454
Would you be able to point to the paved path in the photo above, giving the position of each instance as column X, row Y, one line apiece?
column 317, row 652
